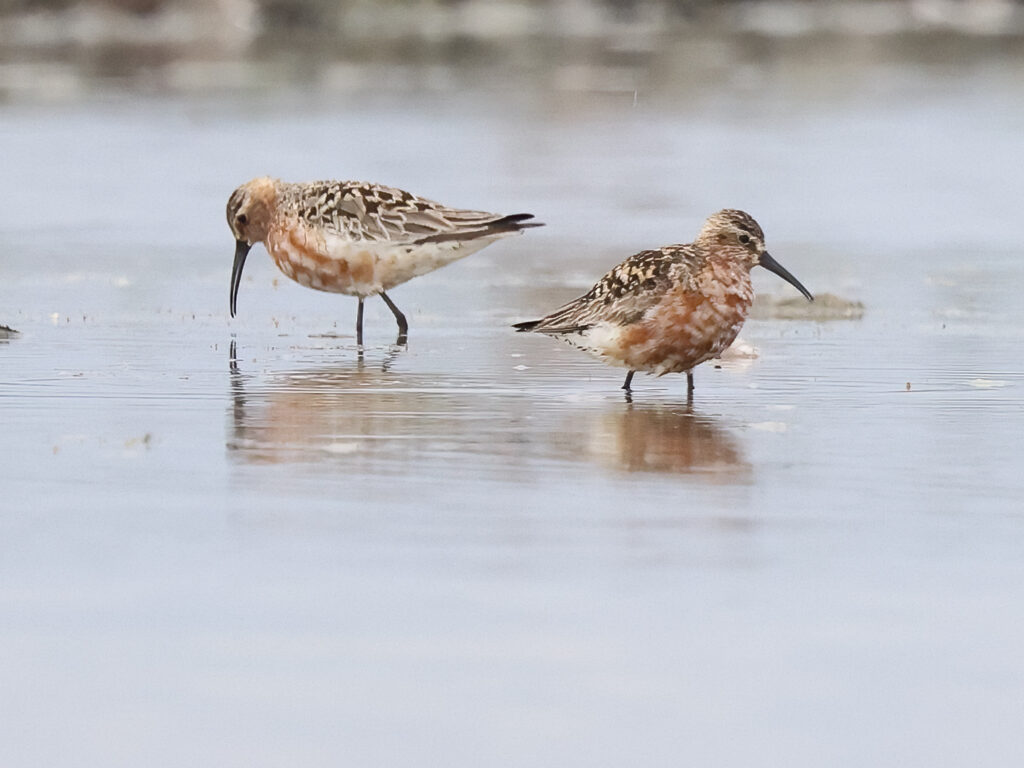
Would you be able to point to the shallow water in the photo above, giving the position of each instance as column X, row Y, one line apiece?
column 236, row 542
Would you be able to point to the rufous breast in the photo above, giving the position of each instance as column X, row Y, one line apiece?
column 688, row 327
column 301, row 253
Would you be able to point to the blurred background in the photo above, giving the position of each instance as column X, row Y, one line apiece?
column 59, row 49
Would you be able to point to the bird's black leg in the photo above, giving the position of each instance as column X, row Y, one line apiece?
column 629, row 380
column 403, row 326
column 359, row 324
column 689, row 382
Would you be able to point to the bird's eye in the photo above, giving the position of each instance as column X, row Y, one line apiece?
column 744, row 239
column 241, row 219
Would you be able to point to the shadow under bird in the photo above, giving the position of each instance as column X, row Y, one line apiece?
column 670, row 309
column 355, row 237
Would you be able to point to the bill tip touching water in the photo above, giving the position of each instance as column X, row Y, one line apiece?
column 669, row 309
column 356, row 238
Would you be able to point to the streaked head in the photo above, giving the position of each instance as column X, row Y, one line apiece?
column 738, row 230
column 250, row 211
column 732, row 228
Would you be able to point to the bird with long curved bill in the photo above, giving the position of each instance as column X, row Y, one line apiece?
column 670, row 309
column 356, row 238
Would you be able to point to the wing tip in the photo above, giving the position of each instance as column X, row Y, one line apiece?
column 506, row 225
column 514, row 222
column 526, row 325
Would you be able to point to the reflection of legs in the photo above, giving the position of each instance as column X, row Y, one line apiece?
column 629, row 379
column 403, row 326
column 237, row 392
column 359, row 324
column 389, row 358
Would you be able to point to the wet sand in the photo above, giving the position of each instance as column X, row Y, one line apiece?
column 474, row 550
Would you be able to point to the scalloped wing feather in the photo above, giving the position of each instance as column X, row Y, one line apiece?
column 626, row 292
column 378, row 213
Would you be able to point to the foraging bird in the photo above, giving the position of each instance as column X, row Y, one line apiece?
column 355, row 237
column 670, row 309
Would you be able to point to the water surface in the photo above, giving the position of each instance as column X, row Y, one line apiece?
column 238, row 542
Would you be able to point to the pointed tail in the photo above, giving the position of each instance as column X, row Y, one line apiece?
column 516, row 222
column 528, row 325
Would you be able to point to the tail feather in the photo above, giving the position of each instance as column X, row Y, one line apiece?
column 527, row 325
column 544, row 326
column 514, row 222
column 506, row 224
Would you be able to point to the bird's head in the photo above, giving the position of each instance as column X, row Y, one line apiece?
column 738, row 231
column 250, row 211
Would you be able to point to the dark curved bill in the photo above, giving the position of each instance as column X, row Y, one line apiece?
column 772, row 265
column 241, row 251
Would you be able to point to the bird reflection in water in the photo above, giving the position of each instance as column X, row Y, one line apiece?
column 304, row 414
column 667, row 439
column 372, row 420
column 357, row 412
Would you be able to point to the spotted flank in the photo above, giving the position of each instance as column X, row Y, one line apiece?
column 668, row 310
column 356, row 238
